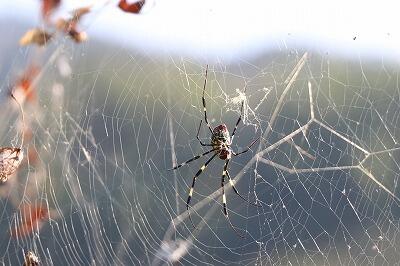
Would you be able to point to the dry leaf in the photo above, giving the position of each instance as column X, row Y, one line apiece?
column 32, row 155
column 131, row 8
column 78, row 13
column 32, row 217
column 24, row 83
column 35, row 36
column 69, row 26
column 31, row 259
column 78, row 36
column 48, row 6
column 10, row 159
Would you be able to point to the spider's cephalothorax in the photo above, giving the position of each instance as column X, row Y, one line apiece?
column 221, row 142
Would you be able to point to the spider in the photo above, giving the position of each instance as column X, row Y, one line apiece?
column 221, row 142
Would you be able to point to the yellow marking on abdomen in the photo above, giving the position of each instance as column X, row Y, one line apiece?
column 223, row 199
column 190, row 192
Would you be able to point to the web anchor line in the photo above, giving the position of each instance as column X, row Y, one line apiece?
column 313, row 119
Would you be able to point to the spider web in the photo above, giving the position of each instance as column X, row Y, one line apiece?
column 325, row 170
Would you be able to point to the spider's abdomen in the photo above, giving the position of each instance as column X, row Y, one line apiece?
column 221, row 135
column 225, row 154
column 221, row 140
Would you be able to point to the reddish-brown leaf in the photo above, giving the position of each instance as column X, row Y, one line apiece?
column 35, row 36
column 131, row 8
column 10, row 159
column 48, row 6
column 31, row 259
column 32, row 155
column 24, row 83
column 32, row 217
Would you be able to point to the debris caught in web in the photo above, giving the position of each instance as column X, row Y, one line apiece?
column 69, row 26
column 10, row 159
column 31, row 259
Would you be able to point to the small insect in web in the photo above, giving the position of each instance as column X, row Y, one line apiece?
column 11, row 157
column 221, row 142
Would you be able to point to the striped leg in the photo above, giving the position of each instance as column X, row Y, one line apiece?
column 237, row 192
column 238, row 121
column 193, row 183
column 247, row 149
column 198, row 138
column 191, row 160
column 224, row 173
column 204, row 102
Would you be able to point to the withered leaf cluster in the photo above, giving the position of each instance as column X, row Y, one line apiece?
column 68, row 26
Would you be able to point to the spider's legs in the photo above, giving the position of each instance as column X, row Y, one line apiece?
column 237, row 192
column 238, row 121
column 191, row 160
column 224, row 173
column 198, row 132
column 247, row 149
column 204, row 101
column 193, row 183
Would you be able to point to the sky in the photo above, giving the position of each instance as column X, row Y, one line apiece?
column 239, row 29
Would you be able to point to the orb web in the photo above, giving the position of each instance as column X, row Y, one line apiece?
column 109, row 122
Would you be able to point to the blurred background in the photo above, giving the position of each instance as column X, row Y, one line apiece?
column 113, row 99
